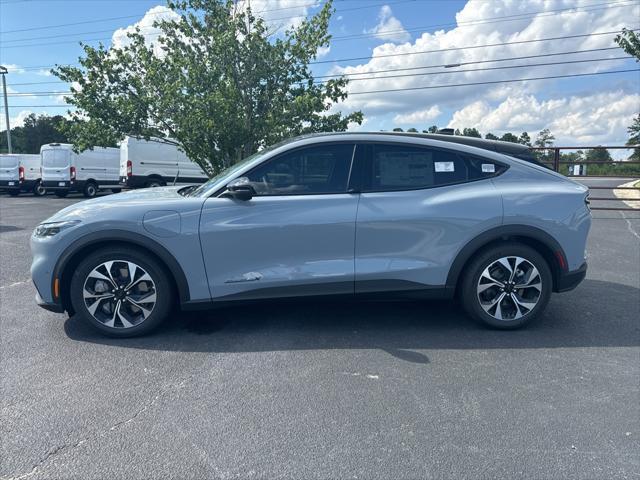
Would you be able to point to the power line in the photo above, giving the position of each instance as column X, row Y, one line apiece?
column 590, row 60
column 440, row 65
column 430, row 87
column 468, row 47
column 507, row 18
column 492, row 82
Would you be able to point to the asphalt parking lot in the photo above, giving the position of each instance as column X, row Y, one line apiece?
column 326, row 390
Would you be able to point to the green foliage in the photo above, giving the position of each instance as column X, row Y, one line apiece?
column 471, row 132
column 491, row 136
column 525, row 139
column 432, row 129
column 412, row 130
column 36, row 131
column 634, row 138
column 629, row 42
column 398, row 129
column 457, row 132
column 218, row 84
column 509, row 137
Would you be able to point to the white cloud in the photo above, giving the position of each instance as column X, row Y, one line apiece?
column 43, row 72
column 119, row 38
column 13, row 68
column 595, row 119
column 323, row 51
column 418, row 117
column 439, row 44
column 389, row 27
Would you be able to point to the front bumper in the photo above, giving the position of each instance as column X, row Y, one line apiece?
column 52, row 307
column 569, row 280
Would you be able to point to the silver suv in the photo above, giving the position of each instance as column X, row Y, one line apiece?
column 352, row 214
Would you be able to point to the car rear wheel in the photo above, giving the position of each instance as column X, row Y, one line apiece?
column 39, row 190
column 90, row 190
column 507, row 286
column 121, row 292
column 154, row 183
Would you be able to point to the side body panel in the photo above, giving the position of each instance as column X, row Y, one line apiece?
column 409, row 239
column 553, row 204
column 259, row 248
column 100, row 164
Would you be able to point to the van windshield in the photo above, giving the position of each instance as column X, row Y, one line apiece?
column 8, row 162
column 55, row 158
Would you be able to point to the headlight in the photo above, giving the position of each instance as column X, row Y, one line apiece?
column 53, row 228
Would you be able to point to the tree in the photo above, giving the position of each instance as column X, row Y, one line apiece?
column 216, row 82
column 525, row 139
column 544, row 139
column 491, row 136
column 509, row 137
column 630, row 43
column 471, row 132
column 412, row 130
column 457, row 132
column 634, row 138
column 598, row 155
column 35, row 132
column 398, row 129
column 432, row 129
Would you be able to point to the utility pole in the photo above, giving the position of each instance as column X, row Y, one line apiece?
column 3, row 72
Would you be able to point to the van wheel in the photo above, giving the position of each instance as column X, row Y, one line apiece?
column 61, row 193
column 13, row 193
column 506, row 286
column 122, row 292
column 39, row 190
column 116, row 190
column 154, row 183
column 90, row 190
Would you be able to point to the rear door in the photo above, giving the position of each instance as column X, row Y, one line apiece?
column 56, row 164
column 294, row 237
column 9, row 169
column 419, row 206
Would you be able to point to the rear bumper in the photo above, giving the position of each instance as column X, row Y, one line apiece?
column 10, row 184
column 569, row 280
column 61, row 185
column 134, row 181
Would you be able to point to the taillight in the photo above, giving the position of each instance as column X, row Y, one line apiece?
column 129, row 168
column 21, row 173
column 72, row 173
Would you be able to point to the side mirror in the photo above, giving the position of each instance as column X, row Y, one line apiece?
column 240, row 189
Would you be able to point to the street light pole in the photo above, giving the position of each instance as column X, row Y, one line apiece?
column 3, row 72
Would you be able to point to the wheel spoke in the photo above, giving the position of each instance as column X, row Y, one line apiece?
column 96, row 274
column 144, row 278
column 111, row 322
column 523, row 303
column 125, row 323
column 87, row 294
column 132, row 269
column 505, row 264
column 532, row 275
column 145, row 311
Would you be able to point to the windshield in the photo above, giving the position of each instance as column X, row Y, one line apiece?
column 226, row 175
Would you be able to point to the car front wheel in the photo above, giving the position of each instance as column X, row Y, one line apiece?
column 507, row 286
column 121, row 292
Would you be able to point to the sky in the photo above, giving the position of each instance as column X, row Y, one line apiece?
column 401, row 37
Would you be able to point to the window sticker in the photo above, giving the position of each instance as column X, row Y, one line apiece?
column 488, row 168
column 444, row 166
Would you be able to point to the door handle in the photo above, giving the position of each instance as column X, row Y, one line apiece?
column 353, row 191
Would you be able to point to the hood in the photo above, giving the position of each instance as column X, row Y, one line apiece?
column 144, row 199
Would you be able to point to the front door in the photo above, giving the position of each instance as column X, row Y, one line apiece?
column 295, row 237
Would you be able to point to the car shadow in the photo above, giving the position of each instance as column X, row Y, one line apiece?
column 596, row 314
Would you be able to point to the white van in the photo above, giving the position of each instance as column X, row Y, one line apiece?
column 154, row 164
column 65, row 171
column 20, row 172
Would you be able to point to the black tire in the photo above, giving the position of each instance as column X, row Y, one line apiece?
column 470, row 285
column 154, row 183
column 13, row 193
column 61, row 193
column 39, row 190
column 163, row 290
column 116, row 190
column 90, row 189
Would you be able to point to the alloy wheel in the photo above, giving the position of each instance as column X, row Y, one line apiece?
column 119, row 294
column 509, row 288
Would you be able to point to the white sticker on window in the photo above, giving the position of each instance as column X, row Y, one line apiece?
column 443, row 166
column 488, row 168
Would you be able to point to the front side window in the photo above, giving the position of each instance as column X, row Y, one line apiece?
column 403, row 167
column 306, row 171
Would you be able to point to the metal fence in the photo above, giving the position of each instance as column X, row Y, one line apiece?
column 555, row 162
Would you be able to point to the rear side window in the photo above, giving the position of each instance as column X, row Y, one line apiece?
column 400, row 167
column 312, row 170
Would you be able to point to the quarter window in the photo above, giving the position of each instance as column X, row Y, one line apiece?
column 314, row 170
column 399, row 167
